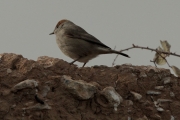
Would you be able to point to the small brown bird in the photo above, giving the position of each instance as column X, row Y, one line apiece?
column 79, row 45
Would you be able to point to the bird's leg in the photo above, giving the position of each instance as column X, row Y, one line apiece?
column 77, row 60
column 84, row 64
column 74, row 61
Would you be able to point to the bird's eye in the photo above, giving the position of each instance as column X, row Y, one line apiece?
column 56, row 26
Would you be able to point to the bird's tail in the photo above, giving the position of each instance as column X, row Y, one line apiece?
column 120, row 53
column 109, row 51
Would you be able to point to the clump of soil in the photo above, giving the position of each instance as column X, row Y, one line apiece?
column 157, row 91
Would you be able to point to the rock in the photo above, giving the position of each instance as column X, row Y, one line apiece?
column 79, row 88
column 163, row 100
column 172, row 117
column 155, row 69
column 45, row 90
column 137, row 96
column 9, row 71
column 45, row 61
column 171, row 94
column 39, row 107
column 128, row 102
column 166, row 80
column 159, row 109
column 129, row 118
column 151, row 72
column 151, row 92
column 159, row 87
column 25, row 84
column 114, row 99
column 142, row 74
column 31, row 103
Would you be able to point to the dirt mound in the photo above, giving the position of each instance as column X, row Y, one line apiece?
column 52, row 89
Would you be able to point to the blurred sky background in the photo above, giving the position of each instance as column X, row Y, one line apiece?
column 25, row 27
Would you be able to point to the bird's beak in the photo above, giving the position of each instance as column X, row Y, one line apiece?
column 51, row 33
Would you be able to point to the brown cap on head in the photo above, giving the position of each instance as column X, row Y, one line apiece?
column 59, row 23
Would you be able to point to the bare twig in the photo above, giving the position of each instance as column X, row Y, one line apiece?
column 154, row 61
column 167, row 62
column 114, row 60
column 113, row 63
column 151, row 49
column 147, row 48
column 126, row 49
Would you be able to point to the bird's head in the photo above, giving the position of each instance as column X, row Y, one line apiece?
column 59, row 25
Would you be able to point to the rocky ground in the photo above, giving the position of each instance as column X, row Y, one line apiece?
column 52, row 89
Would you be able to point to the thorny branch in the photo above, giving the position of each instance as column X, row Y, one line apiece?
column 147, row 48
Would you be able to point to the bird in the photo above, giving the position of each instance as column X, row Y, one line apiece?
column 78, row 44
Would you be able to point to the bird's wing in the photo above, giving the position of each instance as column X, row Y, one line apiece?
column 81, row 34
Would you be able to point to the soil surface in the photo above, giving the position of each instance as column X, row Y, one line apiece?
column 148, row 93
